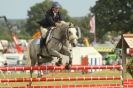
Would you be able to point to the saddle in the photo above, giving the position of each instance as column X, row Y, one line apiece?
column 44, row 41
column 48, row 36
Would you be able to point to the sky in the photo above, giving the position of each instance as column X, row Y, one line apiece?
column 17, row 9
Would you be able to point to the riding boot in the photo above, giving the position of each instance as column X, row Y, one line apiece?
column 42, row 41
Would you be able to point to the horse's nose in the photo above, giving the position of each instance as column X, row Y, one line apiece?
column 74, row 43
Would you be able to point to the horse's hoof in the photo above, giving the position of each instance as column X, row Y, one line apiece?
column 67, row 67
column 58, row 64
column 39, row 76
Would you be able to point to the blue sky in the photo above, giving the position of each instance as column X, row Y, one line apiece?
column 17, row 9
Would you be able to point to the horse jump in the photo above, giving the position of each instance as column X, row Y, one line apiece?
column 20, row 68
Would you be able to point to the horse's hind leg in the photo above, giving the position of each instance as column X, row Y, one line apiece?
column 31, row 71
column 39, row 61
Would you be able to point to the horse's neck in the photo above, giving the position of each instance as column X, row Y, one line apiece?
column 58, row 33
column 67, row 43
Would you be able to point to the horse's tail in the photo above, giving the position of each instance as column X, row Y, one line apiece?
column 33, row 50
column 30, row 48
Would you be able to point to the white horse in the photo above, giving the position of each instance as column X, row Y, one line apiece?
column 60, row 40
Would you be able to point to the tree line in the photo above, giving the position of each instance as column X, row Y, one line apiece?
column 112, row 16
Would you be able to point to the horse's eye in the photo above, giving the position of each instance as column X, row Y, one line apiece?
column 69, row 32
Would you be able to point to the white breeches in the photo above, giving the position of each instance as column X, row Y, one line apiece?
column 43, row 31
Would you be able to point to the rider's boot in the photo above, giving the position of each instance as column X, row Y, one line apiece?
column 42, row 41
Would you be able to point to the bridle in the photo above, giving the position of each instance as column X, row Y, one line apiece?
column 65, row 34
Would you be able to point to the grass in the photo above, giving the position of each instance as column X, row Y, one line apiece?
column 67, row 74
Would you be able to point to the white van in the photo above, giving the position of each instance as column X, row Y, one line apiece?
column 14, row 59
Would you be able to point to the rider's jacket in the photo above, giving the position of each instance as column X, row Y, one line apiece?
column 50, row 19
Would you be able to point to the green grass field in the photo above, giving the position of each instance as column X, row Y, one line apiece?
column 67, row 74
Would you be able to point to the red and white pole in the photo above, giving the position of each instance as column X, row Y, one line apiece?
column 60, row 79
column 44, row 67
column 129, row 50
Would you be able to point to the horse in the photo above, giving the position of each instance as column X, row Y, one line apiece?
column 62, row 38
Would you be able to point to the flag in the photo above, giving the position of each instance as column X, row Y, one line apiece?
column 92, row 24
column 18, row 47
column 92, row 29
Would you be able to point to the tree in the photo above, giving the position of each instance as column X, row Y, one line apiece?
column 113, row 15
column 83, row 23
column 4, row 33
column 37, row 12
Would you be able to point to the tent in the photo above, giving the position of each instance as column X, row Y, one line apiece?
column 94, row 57
column 104, row 47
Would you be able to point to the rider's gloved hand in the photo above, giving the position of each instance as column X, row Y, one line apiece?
column 59, row 23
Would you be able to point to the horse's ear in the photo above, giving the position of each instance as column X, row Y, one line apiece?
column 70, row 24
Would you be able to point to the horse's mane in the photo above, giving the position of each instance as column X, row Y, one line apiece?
column 64, row 24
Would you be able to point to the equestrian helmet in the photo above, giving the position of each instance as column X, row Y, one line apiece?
column 56, row 5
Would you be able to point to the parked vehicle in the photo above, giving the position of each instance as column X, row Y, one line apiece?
column 14, row 59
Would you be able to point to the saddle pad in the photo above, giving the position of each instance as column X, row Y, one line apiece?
column 37, row 42
column 49, row 35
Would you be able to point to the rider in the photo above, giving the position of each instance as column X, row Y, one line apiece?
column 52, row 17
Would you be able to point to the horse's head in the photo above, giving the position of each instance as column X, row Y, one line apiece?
column 69, row 32
column 72, row 34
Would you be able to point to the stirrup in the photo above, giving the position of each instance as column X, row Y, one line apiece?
column 39, row 55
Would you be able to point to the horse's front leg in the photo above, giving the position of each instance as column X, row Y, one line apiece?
column 67, row 51
column 57, row 54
